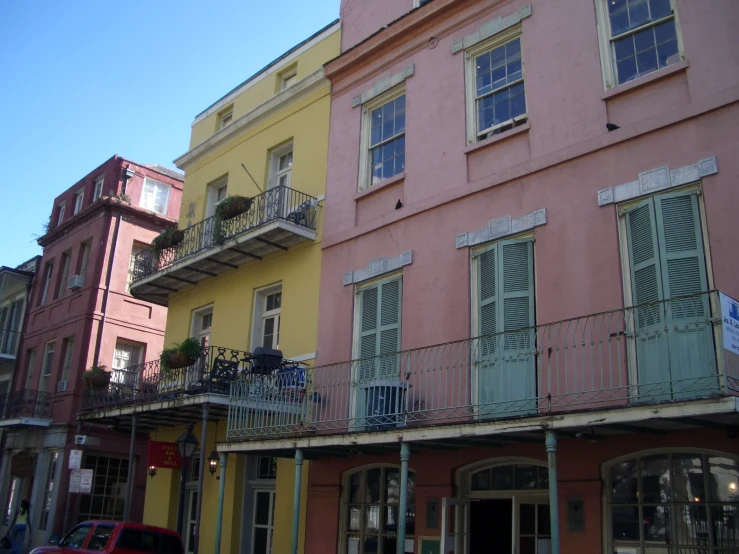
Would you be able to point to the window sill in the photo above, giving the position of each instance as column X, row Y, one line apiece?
column 498, row 138
column 375, row 188
column 650, row 78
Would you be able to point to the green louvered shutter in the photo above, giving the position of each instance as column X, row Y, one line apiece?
column 507, row 374
column 389, row 332
column 691, row 347
column 369, row 306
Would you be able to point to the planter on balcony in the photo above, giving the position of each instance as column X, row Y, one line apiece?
column 97, row 377
column 168, row 238
column 180, row 355
column 229, row 208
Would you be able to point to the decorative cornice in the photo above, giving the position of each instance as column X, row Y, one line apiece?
column 378, row 267
column 278, row 102
column 658, row 179
column 502, row 227
column 492, row 27
column 383, row 85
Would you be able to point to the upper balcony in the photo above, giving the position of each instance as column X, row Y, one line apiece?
column 619, row 363
column 25, row 407
column 277, row 219
column 9, row 340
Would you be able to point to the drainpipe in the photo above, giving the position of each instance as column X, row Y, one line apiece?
column 221, row 494
column 551, row 444
column 203, row 446
column 296, row 499
column 129, row 478
column 405, row 454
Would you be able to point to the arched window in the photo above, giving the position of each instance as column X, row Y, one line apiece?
column 670, row 501
column 371, row 510
column 509, row 477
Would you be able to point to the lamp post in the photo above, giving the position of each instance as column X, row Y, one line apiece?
column 186, row 444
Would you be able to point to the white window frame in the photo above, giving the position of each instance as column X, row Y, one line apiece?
column 86, row 247
column 197, row 331
column 607, row 58
column 155, row 184
column 270, row 526
column 288, row 78
column 225, row 117
column 136, row 248
column 120, row 346
column 470, row 54
column 48, row 270
column 98, row 191
column 275, row 173
column 64, row 277
column 261, row 313
column 365, row 164
column 62, row 207
column 46, row 364
column 30, row 364
column 214, row 196
column 68, row 347
column 79, row 201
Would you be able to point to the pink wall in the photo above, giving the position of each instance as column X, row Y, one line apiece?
column 579, row 474
column 559, row 162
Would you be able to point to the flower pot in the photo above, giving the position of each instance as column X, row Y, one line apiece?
column 235, row 206
column 177, row 237
column 178, row 360
column 98, row 380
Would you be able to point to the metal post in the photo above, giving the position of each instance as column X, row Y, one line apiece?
column 129, row 478
column 296, row 499
column 551, row 444
column 221, row 494
column 201, row 477
column 405, row 454
column 183, row 482
column 69, row 475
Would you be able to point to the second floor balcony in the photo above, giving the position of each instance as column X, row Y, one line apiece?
column 658, row 353
column 25, row 407
column 275, row 220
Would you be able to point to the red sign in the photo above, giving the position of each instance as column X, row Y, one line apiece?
column 164, row 455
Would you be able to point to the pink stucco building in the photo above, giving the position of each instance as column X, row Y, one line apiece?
column 530, row 207
column 80, row 312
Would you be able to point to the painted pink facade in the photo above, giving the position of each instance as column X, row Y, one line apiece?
column 562, row 159
column 97, row 316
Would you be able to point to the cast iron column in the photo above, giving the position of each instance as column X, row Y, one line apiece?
column 129, row 478
column 405, row 454
column 221, row 494
column 551, row 444
column 296, row 499
column 201, row 477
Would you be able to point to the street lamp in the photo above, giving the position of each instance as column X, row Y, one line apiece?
column 186, row 444
column 152, row 471
column 213, row 462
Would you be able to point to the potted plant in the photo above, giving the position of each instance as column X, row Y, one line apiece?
column 97, row 377
column 168, row 238
column 228, row 208
column 179, row 355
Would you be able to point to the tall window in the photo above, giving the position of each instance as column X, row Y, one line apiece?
column 271, row 320
column 43, row 383
column 126, row 354
column 30, row 365
column 60, row 215
column 64, row 275
column 68, row 353
column 84, row 257
column 681, row 501
column 98, row 191
column 262, row 486
column 281, row 166
column 79, row 199
column 371, row 511
column 378, row 331
column 383, row 150
column 217, row 191
column 154, row 196
column 202, row 321
column 136, row 249
column 637, row 37
column 265, row 467
column 108, row 488
column 48, row 267
column 48, row 491
column 225, row 117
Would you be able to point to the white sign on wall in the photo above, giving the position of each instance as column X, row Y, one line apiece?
column 75, row 459
column 74, row 480
column 80, row 481
column 730, row 320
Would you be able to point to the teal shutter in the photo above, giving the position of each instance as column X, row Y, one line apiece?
column 674, row 343
column 507, row 369
column 368, row 306
column 379, row 337
column 389, row 328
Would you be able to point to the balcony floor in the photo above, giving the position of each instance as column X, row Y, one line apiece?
column 210, row 262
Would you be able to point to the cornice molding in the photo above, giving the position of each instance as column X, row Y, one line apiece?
column 279, row 101
column 502, row 227
column 378, row 267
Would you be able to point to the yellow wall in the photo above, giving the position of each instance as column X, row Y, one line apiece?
column 305, row 122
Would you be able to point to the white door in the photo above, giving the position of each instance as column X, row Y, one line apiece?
column 192, row 509
column 263, row 522
column 216, row 193
column 533, row 532
column 201, row 326
column 455, row 525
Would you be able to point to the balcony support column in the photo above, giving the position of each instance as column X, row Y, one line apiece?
column 405, row 454
column 551, row 445
column 221, row 494
column 296, row 499
column 129, row 476
column 201, row 477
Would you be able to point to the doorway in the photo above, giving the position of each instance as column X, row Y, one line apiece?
column 192, row 509
column 518, row 525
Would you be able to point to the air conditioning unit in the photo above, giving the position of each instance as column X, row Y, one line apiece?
column 384, row 404
column 61, row 386
column 76, row 282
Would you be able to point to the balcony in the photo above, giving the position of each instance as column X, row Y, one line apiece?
column 660, row 353
column 9, row 339
column 279, row 218
column 174, row 395
column 26, row 407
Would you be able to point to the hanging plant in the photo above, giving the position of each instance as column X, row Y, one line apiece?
column 179, row 355
column 97, row 377
column 168, row 238
column 228, row 208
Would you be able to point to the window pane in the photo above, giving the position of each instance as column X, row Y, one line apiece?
column 619, row 22
column 371, row 545
column 99, row 537
column 644, row 40
column 543, row 523
column 355, row 484
column 667, row 53
column 260, row 540
column 355, row 518
column 502, row 478
column 481, row 480
column 525, row 477
column 638, row 13
column 527, row 519
column 723, row 480
column 624, row 483
column 616, row 6
column 660, row 8
column 625, row 522
column 656, row 523
column 392, row 478
column 655, row 477
column 373, row 486
column 261, row 509
column 372, row 519
column 352, row 544
column 726, row 526
column 390, row 516
column 688, row 481
column 626, row 69
column 692, row 526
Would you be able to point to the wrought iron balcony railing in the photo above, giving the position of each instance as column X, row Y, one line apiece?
column 212, row 372
column 278, row 203
column 651, row 353
column 25, row 403
column 9, row 339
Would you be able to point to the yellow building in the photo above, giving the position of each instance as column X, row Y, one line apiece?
column 241, row 276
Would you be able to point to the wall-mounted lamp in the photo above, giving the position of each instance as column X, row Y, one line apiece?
column 152, row 471
column 213, row 462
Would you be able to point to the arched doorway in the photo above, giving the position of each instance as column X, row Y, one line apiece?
column 501, row 505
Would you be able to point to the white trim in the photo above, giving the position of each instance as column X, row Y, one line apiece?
column 258, row 305
column 278, row 102
column 274, row 69
column 491, row 28
column 155, row 184
column 79, row 201
column 502, row 227
column 378, row 267
column 97, row 192
column 658, row 179
column 383, row 85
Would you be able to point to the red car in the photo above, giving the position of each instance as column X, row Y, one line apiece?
column 114, row 537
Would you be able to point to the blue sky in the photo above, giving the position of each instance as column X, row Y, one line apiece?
column 85, row 79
